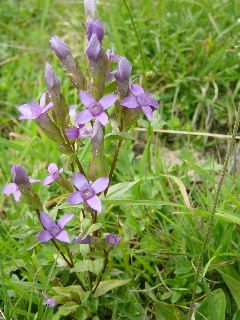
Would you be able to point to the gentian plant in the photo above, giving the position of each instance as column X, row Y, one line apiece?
column 84, row 245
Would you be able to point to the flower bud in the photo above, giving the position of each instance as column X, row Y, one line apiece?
column 53, row 83
column 71, row 66
column 59, row 47
column 95, row 27
column 90, row 8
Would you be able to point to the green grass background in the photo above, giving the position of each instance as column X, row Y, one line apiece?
column 190, row 62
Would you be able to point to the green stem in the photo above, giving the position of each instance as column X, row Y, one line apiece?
column 102, row 272
column 209, row 231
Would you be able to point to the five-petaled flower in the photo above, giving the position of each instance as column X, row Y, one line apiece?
column 20, row 178
column 54, row 230
column 140, row 99
column 80, row 132
column 88, row 192
column 50, row 302
column 95, row 109
column 112, row 239
column 54, row 174
column 33, row 110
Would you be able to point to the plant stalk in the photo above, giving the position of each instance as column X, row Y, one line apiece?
column 210, row 226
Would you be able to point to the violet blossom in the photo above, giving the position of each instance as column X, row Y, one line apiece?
column 140, row 99
column 59, row 47
column 95, row 109
column 20, row 179
column 95, row 27
column 81, row 240
column 32, row 110
column 112, row 239
column 82, row 132
column 54, row 174
column 50, row 302
column 54, row 230
column 88, row 192
column 94, row 49
column 124, row 70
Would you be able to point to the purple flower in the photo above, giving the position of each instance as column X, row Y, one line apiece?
column 112, row 240
column 33, row 110
column 87, row 192
column 50, row 302
column 54, row 174
column 54, row 230
column 59, row 47
column 86, row 240
column 95, row 109
column 20, row 178
column 140, row 99
column 112, row 56
column 124, row 70
column 95, row 27
column 80, row 132
column 94, row 49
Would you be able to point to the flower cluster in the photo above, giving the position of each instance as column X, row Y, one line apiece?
column 69, row 128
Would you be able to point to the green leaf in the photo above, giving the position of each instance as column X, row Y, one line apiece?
column 119, row 190
column 92, row 228
column 118, row 135
column 213, row 306
column 94, row 266
column 166, row 312
column 232, row 280
column 108, row 285
column 67, row 291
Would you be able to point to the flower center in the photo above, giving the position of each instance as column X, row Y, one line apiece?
column 85, row 133
column 55, row 175
column 142, row 99
column 112, row 241
column 96, row 109
column 88, row 192
column 54, row 230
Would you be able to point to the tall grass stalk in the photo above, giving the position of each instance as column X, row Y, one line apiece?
column 210, row 226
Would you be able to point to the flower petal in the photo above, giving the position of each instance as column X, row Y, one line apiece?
column 107, row 101
column 29, row 111
column 100, row 184
column 84, row 117
column 52, row 168
column 86, row 98
column 152, row 102
column 79, row 180
column 48, row 180
column 136, row 89
column 72, row 133
column 47, row 221
column 44, row 236
column 48, row 106
column 63, row 236
column 148, row 112
column 75, row 198
column 20, row 175
column 93, row 50
column 33, row 180
column 102, row 118
column 10, row 188
column 17, row 195
column 64, row 220
column 95, row 203
column 130, row 102
column 43, row 100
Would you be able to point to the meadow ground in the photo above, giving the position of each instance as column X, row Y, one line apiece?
column 186, row 53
